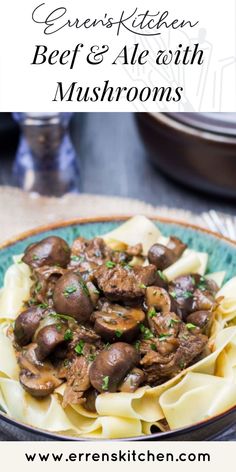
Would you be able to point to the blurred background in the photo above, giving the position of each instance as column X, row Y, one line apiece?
column 165, row 160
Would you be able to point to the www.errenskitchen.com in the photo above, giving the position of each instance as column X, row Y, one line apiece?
column 119, row 456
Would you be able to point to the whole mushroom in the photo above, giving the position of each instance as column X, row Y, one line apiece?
column 71, row 297
column 50, row 251
column 111, row 366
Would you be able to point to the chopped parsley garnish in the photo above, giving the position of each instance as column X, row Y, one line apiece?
column 84, row 287
column 162, row 275
column 118, row 333
column 187, row 294
column 43, row 305
column 38, row 287
column 137, row 345
column 153, row 347
column 107, row 345
column 184, row 337
column 32, row 301
column 58, row 327
column 64, row 317
column 147, row 334
column 75, row 258
column 163, row 337
column 35, row 257
column 202, row 284
column 79, row 348
column 105, row 383
column 127, row 266
column 190, row 326
column 143, row 286
column 69, row 290
column 110, row 264
column 173, row 294
column 68, row 336
column 96, row 291
column 172, row 322
column 66, row 362
column 91, row 357
column 152, row 312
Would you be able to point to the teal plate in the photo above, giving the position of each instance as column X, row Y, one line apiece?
column 222, row 251
column 222, row 256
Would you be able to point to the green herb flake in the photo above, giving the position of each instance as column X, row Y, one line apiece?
column 153, row 347
column 173, row 294
column 172, row 322
column 43, row 305
column 66, row 362
column 137, row 345
column 63, row 317
column 58, row 327
column 107, row 345
column 152, row 312
column 187, row 294
column 163, row 337
column 69, row 290
column 35, row 257
column 38, row 287
column 143, row 286
column 91, row 357
column 96, row 291
column 105, row 383
column 110, row 264
column 68, row 336
column 181, row 364
column 79, row 348
column 162, row 275
column 147, row 334
column 184, row 337
column 118, row 333
column 190, row 326
column 84, row 287
column 75, row 258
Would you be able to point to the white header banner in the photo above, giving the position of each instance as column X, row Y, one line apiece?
column 72, row 55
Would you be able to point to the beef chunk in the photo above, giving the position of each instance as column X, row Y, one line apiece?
column 88, row 254
column 174, row 347
column 77, row 376
column 125, row 284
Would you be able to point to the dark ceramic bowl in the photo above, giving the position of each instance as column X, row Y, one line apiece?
column 196, row 149
column 222, row 256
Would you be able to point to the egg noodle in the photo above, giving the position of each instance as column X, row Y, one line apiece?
column 201, row 391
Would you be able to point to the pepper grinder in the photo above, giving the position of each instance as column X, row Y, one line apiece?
column 46, row 160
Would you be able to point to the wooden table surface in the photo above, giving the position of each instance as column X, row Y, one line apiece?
column 113, row 161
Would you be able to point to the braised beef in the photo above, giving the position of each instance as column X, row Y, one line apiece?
column 125, row 284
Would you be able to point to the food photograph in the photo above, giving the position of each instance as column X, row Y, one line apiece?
column 118, row 276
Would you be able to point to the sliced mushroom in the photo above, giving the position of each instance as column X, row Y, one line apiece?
column 47, row 339
column 203, row 301
column 158, row 298
column 177, row 246
column 90, row 403
column 39, row 385
column 132, row 381
column 118, row 322
column 161, row 256
column 50, row 251
column 26, row 324
column 71, row 297
column 202, row 319
column 111, row 366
